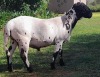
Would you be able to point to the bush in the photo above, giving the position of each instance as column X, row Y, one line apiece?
column 17, row 5
column 95, row 8
column 40, row 10
column 10, row 4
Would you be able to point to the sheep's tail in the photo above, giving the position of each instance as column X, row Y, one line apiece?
column 6, row 38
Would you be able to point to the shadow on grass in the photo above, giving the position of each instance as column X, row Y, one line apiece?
column 81, row 56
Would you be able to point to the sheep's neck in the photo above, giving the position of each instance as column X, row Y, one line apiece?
column 70, row 20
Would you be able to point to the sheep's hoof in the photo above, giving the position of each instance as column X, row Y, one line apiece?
column 61, row 62
column 30, row 70
column 10, row 68
column 52, row 66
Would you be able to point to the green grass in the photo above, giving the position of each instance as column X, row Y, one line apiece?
column 81, row 55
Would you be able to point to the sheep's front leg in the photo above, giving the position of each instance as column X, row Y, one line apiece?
column 58, row 50
column 24, row 47
column 9, row 54
column 61, row 58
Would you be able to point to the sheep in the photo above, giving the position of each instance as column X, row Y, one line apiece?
column 27, row 31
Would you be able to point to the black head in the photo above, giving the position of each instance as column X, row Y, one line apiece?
column 82, row 10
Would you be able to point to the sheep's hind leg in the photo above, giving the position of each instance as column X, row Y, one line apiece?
column 9, row 54
column 24, row 47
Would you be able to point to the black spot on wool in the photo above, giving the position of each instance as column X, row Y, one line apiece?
column 16, row 39
column 71, row 11
column 69, row 17
column 25, row 33
column 10, row 48
column 19, row 39
column 68, row 31
column 23, row 55
column 67, row 26
column 22, row 51
column 49, row 37
column 67, row 13
column 13, row 42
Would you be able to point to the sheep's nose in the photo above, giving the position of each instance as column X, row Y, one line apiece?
column 90, row 15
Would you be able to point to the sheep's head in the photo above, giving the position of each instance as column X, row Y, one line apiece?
column 82, row 10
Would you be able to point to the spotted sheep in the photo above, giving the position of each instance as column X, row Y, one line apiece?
column 27, row 31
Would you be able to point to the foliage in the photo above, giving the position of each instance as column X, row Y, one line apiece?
column 40, row 10
column 16, row 5
column 11, row 4
column 95, row 6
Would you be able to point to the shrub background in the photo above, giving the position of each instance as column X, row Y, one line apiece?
column 13, row 8
column 95, row 5
column 17, row 5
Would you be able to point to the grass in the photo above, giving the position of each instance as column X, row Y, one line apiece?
column 81, row 55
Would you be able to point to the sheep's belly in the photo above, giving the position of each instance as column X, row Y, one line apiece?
column 39, row 44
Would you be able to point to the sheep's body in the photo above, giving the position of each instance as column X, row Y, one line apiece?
column 26, row 31
column 40, row 32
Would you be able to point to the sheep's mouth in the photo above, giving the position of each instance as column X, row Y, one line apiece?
column 88, row 15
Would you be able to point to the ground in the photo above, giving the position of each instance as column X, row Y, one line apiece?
column 81, row 55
